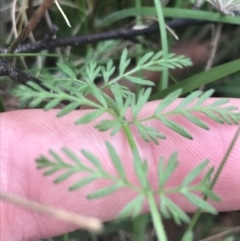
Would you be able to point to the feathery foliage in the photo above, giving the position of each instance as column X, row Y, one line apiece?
column 116, row 117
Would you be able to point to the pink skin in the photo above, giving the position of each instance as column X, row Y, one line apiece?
column 25, row 135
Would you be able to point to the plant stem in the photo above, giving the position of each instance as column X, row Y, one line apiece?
column 130, row 139
column 138, row 4
column 157, row 221
column 150, row 196
column 164, row 41
column 65, row 237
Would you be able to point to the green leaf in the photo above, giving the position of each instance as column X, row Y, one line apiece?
column 90, row 117
column 141, row 101
column 127, row 104
column 205, row 96
column 177, row 214
column 145, row 58
column 177, row 128
column 133, row 207
column 56, row 157
column 116, row 161
column 52, row 170
column 36, row 101
column 157, row 67
column 67, row 70
column 165, row 173
column 42, row 162
column 163, row 207
column 108, row 72
column 69, row 108
column 92, row 71
column 105, row 125
column 98, row 94
column 65, row 176
column 194, row 173
column 105, row 191
column 157, row 56
column 52, row 104
column 116, row 129
column 34, row 86
column 83, row 182
column 117, row 94
column 196, row 121
column 209, row 193
column 112, row 104
column 140, row 81
column 149, row 133
column 189, row 99
column 213, row 116
column 110, row 65
column 220, row 102
column 168, row 100
column 93, row 159
column 72, row 156
column 200, row 203
column 226, row 118
column 124, row 62
column 188, row 236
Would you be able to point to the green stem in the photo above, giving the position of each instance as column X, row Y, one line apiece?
column 150, row 196
column 157, row 221
column 130, row 138
column 138, row 5
column 65, row 237
column 163, row 36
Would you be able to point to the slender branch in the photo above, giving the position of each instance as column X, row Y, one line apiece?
column 22, row 77
column 116, row 34
column 31, row 24
column 19, row 76
column 215, row 43
column 223, row 235
column 89, row 223
column 16, row 74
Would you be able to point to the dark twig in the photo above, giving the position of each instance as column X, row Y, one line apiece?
column 54, row 29
column 22, row 77
column 19, row 76
column 117, row 34
column 16, row 74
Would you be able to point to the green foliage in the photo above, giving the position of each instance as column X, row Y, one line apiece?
column 123, row 112
column 115, row 117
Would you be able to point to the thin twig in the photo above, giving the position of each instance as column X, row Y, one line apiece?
column 16, row 74
column 88, row 223
column 31, row 24
column 116, row 34
column 223, row 235
column 215, row 44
